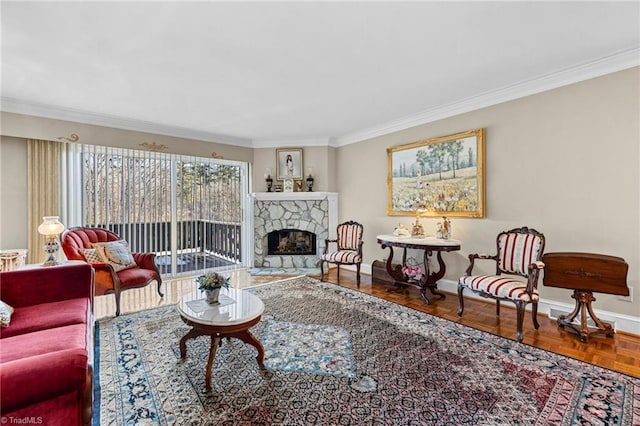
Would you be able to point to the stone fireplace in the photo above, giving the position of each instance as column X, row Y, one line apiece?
column 291, row 242
column 290, row 228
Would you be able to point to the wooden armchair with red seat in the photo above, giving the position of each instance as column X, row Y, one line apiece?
column 107, row 280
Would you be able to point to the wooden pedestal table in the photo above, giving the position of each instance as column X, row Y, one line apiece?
column 428, row 245
column 237, row 311
column 585, row 273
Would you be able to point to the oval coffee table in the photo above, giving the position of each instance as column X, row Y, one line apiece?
column 237, row 311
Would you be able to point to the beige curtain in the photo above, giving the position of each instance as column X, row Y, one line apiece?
column 44, row 177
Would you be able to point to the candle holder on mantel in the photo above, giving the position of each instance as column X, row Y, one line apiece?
column 309, row 180
column 268, row 179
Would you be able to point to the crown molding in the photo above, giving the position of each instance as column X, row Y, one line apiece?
column 286, row 143
column 18, row 106
column 618, row 61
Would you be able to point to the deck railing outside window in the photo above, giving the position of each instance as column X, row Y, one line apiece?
column 187, row 210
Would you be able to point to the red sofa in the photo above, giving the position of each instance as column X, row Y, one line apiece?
column 46, row 352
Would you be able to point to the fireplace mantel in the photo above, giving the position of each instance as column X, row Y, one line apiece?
column 316, row 212
column 282, row 196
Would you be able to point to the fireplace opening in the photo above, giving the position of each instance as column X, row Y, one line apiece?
column 291, row 242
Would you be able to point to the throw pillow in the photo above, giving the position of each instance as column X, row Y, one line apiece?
column 116, row 253
column 5, row 314
column 91, row 255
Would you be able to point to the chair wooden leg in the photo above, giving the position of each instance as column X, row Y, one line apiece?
column 159, row 284
column 534, row 314
column 520, row 319
column 358, row 275
column 322, row 270
column 497, row 308
column 117, row 296
column 338, row 274
column 460, row 300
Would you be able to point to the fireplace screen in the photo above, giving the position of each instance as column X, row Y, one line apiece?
column 291, row 242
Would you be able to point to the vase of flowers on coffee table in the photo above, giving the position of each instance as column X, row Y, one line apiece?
column 211, row 284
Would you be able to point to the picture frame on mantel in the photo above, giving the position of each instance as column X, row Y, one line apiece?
column 441, row 176
column 289, row 164
column 287, row 185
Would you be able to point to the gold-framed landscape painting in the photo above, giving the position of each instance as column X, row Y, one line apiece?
column 441, row 176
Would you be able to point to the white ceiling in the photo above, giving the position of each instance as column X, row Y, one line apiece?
column 298, row 73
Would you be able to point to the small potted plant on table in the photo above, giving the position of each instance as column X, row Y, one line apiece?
column 211, row 284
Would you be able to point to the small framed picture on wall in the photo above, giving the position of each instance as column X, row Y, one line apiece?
column 289, row 163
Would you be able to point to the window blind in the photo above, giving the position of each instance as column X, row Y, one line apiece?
column 187, row 210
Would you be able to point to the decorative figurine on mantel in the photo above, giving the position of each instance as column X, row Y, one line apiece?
column 444, row 229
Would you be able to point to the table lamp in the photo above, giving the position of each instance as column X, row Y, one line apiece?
column 51, row 228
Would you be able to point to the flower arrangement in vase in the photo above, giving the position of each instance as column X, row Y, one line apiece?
column 412, row 273
column 211, row 284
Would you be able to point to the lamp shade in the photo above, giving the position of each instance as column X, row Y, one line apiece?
column 50, row 226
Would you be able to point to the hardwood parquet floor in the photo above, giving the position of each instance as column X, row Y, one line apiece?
column 620, row 352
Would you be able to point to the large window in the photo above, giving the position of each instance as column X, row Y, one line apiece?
column 187, row 210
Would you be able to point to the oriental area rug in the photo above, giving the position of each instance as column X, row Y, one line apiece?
column 335, row 356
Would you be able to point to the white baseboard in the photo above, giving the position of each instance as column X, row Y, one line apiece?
column 620, row 322
column 365, row 268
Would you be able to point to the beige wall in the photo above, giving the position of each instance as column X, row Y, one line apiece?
column 16, row 128
column 564, row 162
column 13, row 193
column 24, row 126
column 319, row 158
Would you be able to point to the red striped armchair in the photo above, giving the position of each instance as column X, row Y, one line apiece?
column 348, row 249
column 518, row 265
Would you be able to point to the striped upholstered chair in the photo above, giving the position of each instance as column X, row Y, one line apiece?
column 348, row 249
column 519, row 259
